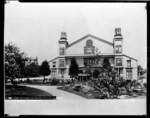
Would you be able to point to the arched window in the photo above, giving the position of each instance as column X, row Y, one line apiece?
column 89, row 43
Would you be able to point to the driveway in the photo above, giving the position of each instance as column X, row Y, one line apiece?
column 60, row 94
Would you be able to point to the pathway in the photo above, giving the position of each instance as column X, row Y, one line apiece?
column 60, row 94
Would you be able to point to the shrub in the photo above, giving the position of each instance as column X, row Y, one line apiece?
column 77, row 88
column 55, row 82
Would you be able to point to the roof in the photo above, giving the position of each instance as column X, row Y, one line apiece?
column 99, row 39
column 130, row 57
column 53, row 59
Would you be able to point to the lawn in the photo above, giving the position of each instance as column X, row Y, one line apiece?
column 24, row 92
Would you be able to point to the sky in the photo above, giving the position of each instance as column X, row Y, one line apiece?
column 36, row 27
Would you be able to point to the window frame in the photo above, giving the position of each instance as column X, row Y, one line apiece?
column 116, row 62
column 89, row 42
column 128, row 63
column 62, row 60
column 62, row 51
column 129, row 73
column 54, row 64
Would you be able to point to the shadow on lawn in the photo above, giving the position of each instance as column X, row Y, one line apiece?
column 24, row 92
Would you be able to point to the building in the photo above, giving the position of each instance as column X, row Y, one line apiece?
column 91, row 51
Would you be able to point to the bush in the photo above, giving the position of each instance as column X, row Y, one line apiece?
column 55, row 82
column 77, row 88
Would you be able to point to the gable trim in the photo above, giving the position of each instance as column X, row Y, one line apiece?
column 99, row 39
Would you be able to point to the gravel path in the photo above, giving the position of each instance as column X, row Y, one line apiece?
column 60, row 95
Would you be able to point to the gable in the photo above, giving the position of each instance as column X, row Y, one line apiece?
column 89, row 35
column 79, row 46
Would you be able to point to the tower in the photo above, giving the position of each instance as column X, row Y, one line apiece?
column 63, row 44
column 118, row 42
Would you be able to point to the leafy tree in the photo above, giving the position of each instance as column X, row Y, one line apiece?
column 80, row 71
column 140, row 69
column 96, row 73
column 106, row 65
column 32, row 70
column 74, row 69
column 45, row 69
column 14, row 62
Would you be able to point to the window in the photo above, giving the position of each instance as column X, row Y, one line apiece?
column 89, row 62
column 117, row 49
column 53, row 74
column 120, row 48
column 129, row 73
column 62, row 51
column 89, row 43
column 54, row 64
column 61, row 63
column 118, row 61
column 128, row 63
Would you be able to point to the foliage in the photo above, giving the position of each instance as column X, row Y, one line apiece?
column 31, row 70
column 80, row 71
column 140, row 68
column 14, row 61
column 45, row 69
column 74, row 69
column 77, row 88
column 96, row 73
column 88, row 72
column 55, row 82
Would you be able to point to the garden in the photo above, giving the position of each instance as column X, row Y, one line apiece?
column 104, row 83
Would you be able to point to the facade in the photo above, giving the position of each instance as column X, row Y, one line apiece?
column 90, row 51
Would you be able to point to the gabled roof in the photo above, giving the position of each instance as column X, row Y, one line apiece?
column 99, row 39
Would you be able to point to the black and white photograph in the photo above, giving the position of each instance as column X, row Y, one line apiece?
column 75, row 58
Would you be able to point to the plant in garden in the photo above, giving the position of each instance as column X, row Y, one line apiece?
column 74, row 69
column 96, row 73
column 45, row 69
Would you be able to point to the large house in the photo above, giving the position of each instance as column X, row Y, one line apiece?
column 91, row 51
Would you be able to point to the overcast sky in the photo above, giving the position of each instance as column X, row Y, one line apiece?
column 36, row 27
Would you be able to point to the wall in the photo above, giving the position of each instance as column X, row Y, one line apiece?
column 134, row 65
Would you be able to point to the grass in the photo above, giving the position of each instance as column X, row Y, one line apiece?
column 26, row 92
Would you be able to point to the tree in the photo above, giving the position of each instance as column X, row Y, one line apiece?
column 14, row 62
column 74, row 69
column 32, row 70
column 45, row 69
column 96, row 73
column 80, row 71
column 140, row 69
